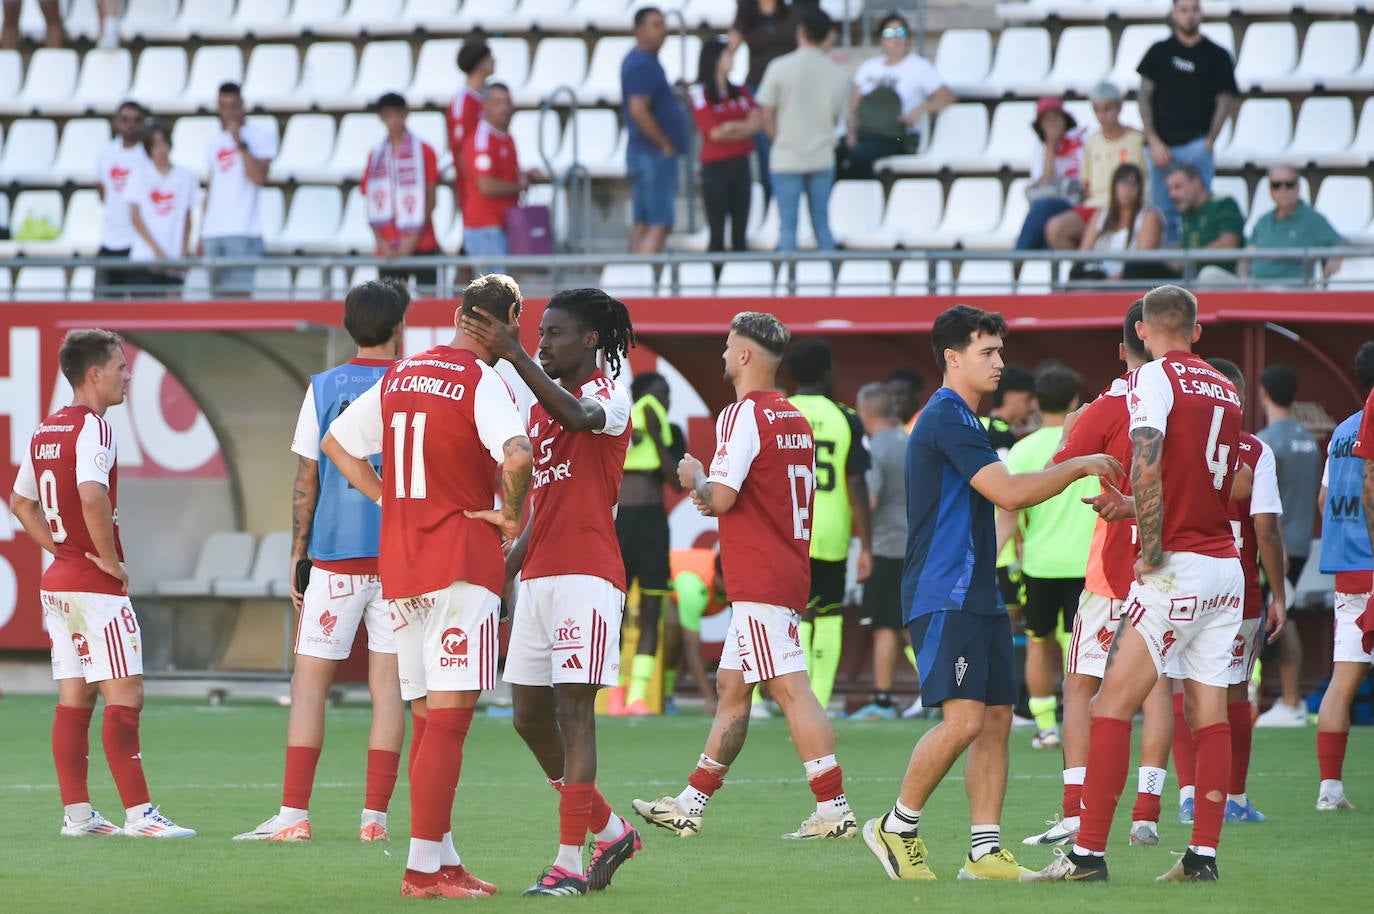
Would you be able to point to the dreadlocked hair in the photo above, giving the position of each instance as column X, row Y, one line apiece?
column 606, row 316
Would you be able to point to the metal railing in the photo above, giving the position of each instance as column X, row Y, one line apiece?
column 575, row 182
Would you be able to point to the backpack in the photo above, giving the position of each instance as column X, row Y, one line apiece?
column 879, row 114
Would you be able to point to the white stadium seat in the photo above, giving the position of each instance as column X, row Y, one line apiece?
column 1330, row 50
column 496, row 16
column 1263, row 129
column 272, row 211
column 436, row 16
column 607, row 15
column 765, row 237
column 329, row 68
column 552, row 15
column 745, row 279
column 104, row 83
column 358, row 135
column 679, row 58
column 428, row 126
column 1222, row 34
column 1362, row 149
column 11, row 78
column 1270, row 50
column 40, row 284
column 1358, row 81
column 273, row 70
column 81, row 227
column 81, row 142
column 373, row 17
column 385, row 66
column 974, row 208
column 694, row 279
column 1022, row 59
column 603, row 74
column 960, row 134
column 139, row 15
column 312, row 219
column 1136, row 39
column 1003, row 236
column 437, row 77
column 526, row 129
column 50, row 79
column 1234, row 187
column 190, row 140
column 597, row 131
column 250, row 18
column 914, row 209
column 557, row 62
column 306, row 148
column 193, row 19
column 1082, row 59
column 808, row 278
column 964, row 59
column 270, row 565
column 29, row 151
column 355, row 234
column 856, row 208
column 1345, row 201
column 985, row 277
column 628, row 280
column 1011, row 141
column 864, row 277
column 306, row 16
column 212, row 66
column 1323, row 134
column 512, row 57
column 160, row 77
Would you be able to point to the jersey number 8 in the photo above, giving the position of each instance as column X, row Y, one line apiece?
column 47, row 500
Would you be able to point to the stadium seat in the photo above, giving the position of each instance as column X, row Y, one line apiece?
column 159, row 77
column 192, row 20
column 986, row 277
column 512, row 57
column 1262, row 202
column 1136, row 39
column 437, row 77
column 81, row 142
column 856, row 208
column 693, row 278
column 602, row 84
column 251, row 17
column 428, row 126
column 271, row 283
column 1082, row 59
column 606, row 15
column 385, row 66
column 1345, row 201
column 679, row 58
column 1003, row 236
column 354, row 235
column 864, row 277
column 50, row 79
column 1362, row 149
column 373, row 17
column 81, row 286
column 29, row 151
column 273, row 70
column 1011, row 141
column 526, row 129
column 81, row 229
column 1269, row 51
column 765, row 237
column 315, row 283
column 974, row 208
column 1222, row 34
column 807, row 278
column 745, row 279
column 1263, row 129
column 914, row 277
column 444, row 212
column 451, row 234
column 225, row 555
column 271, row 564
column 305, row 17
column 1358, row 81
column 104, row 83
column 597, row 131
column 910, row 201
column 1357, row 273
column 1323, row 135
column 212, row 66
column 1022, row 59
column 42, row 284
column 11, row 77
column 358, row 134
column 557, row 62
column 960, row 136
column 1036, row 278
column 963, row 59
column 1233, row 187
column 271, row 210
column 329, row 68
column 190, row 140
column 716, row 14
column 628, row 280
column 496, row 16
column 139, row 15
column 1331, row 49
column 312, row 220
column 553, row 15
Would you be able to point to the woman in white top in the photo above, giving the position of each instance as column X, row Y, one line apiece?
column 161, row 196
column 888, row 123
column 1126, row 223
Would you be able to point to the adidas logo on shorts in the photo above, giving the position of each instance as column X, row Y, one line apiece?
column 572, row 663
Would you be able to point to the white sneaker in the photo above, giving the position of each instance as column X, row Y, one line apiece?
column 1046, row 739
column 666, row 813
column 1144, row 834
column 277, row 831
column 915, row 709
column 1327, row 802
column 845, row 826
column 153, row 824
column 96, row 826
column 1061, row 831
column 1280, row 715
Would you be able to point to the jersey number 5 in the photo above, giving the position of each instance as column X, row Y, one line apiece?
column 825, row 466
column 1217, row 453
column 47, row 500
column 399, row 421
column 800, row 482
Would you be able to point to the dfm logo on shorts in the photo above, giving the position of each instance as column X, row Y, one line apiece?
column 1237, row 652
column 83, row 648
column 454, row 641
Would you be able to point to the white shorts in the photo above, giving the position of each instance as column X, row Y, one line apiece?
column 334, row 606
column 95, row 636
column 446, row 640
column 1094, row 626
column 1347, row 647
column 1189, row 613
column 762, row 642
column 1245, row 650
column 566, row 630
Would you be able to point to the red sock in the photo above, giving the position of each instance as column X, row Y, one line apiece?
column 119, row 734
column 71, row 752
column 1109, row 755
column 1242, row 735
column 707, row 781
column 437, row 767
column 382, row 765
column 1146, row 808
column 828, row 785
column 574, row 812
column 1331, row 754
column 1073, row 800
column 417, row 733
column 299, row 778
column 1185, row 762
column 601, row 812
column 1213, row 747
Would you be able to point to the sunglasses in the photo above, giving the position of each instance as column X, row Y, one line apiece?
column 1283, row 185
column 894, row 33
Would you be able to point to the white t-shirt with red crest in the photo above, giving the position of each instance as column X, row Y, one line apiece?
column 116, row 164
column 163, row 201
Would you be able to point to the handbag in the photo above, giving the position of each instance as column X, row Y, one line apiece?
column 529, row 230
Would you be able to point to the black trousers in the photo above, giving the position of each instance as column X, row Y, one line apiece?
column 725, row 191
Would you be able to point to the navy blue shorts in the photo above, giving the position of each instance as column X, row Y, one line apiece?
column 964, row 655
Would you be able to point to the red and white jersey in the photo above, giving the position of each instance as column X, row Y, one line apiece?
column 576, row 487
column 1198, row 411
column 765, row 452
column 72, row 446
column 1264, row 499
column 463, row 113
column 1364, row 438
column 440, row 420
column 487, row 151
column 1102, row 429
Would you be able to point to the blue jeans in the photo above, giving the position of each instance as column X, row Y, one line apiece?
column 232, row 280
column 1194, row 153
column 787, row 189
column 1032, row 237
column 486, row 242
column 653, row 185
column 762, row 146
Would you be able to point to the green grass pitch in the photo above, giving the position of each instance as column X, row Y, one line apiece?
column 217, row 769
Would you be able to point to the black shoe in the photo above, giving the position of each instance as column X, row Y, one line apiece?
column 558, row 881
column 607, row 857
column 1192, row 867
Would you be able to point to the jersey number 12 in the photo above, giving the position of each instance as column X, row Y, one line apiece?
column 801, row 481
column 399, row 421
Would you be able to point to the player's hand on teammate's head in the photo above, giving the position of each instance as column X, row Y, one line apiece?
column 503, row 339
column 113, row 569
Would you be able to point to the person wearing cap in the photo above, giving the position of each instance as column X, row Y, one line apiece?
column 399, row 186
column 891, row 97
column 1055, row 185
column 1113, row 144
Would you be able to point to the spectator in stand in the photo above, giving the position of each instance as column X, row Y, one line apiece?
column 1187, row 91
column 906, row 385
column 727, row 118
column 160, row 197
column 1111, row 145
column 239, row 156
column 1292, row 223
column 399, row 185
column 768, row 28
column 1206, row 220
column 892, row 95
column 54, row 37
column 476, row 62
column 804, row 97
column 1055, row 186
column 1126, row 223
column 119, row 160
column 657, row 134
column 492, row 179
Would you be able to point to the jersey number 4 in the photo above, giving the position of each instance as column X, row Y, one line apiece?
column 801, row 482
column 1217, row 453
column 399, row 422
column 47, row 500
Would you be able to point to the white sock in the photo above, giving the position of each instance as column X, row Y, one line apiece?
column 111, row 33
column 1075, row 775
column 837, row 808
column 373, row 817
column 424, row 856
column 1071, row 823
column 1239, row 799
column 902, row 820
column 1152, row 780
column 612, row 830
column 986, row 839
column 290, row 815
column 1203, row 851
column 1081, row 851
column 693, row 801
column 448, row 854
column 1334, row 787
column 80, row 812
column 137, row 812
column 570, row 858
column 819, row 765
column 1186, row 793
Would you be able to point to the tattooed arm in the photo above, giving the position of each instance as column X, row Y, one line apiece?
column 1147, row 486
column 305, row 496
column 515, row 484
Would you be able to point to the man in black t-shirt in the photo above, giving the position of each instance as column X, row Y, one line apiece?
column 1187, row 91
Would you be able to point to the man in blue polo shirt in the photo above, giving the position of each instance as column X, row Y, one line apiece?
column 657, row 128
column 951, row 604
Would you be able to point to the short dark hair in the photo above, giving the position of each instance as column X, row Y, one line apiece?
column 494, row 86
column 1364, row 366
column 815, row 24
column 230, row 88
column 391, row 100
column 1056, row 387
column 908, row 375
column 472, row 53
column 763, row 329
column 372, row 311
column 1281, row 384
column 1172, row 307
column 82, row 350
column 1015, row 378
column 892, row 16
column 1187, row 168
column 151, row 129
column 644, row 12
column 809, row 360
column 1232, row 372
column 493, row 293
column 643, row 382
column 130, row 103
column 1129, row 337
column 956, row 327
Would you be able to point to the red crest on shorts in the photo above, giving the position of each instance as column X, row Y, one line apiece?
column 1104, row 637
column 1238, row 647
column 455, row 642
column 792, row 634
column 327, row 622
column 1168, row 643
column 83, row 649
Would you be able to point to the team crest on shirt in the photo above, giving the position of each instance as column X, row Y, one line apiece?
column 118, row 176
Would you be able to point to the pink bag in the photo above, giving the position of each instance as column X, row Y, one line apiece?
column 529, row 230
